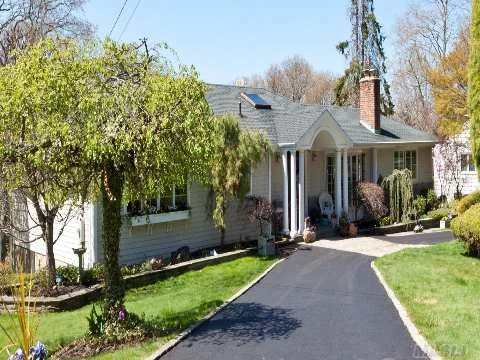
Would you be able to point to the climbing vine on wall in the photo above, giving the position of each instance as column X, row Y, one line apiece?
column 399, row 190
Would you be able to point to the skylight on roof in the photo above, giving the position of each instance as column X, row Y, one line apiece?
column 256, row 101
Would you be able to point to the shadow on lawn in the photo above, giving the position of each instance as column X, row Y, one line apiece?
column 242, row 323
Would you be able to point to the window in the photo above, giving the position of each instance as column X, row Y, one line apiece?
column 174, row 200
column 467, row 163
column 406, row 160
column 331, row 176
column 356, row 171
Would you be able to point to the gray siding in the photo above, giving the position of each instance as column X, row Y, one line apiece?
column 142, row 242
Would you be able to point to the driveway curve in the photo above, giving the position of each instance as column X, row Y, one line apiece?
column 317, row 304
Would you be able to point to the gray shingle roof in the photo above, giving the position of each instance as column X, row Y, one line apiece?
column 288, row 121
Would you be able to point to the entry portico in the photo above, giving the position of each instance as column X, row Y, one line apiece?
column 323, row 137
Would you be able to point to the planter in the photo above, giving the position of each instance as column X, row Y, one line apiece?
column 266, row 246
column 160, row 218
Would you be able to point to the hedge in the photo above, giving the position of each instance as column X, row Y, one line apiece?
column 466, row 202
column 466, row 228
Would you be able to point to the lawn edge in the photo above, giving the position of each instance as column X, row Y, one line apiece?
column 419, row 339
column 173, row 342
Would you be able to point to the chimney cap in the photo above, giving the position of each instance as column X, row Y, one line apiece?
column 370, row 73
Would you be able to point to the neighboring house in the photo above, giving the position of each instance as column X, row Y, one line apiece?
column 318, row 151
column 454, row 168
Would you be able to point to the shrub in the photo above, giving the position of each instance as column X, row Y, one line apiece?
column 7, row 277
column 466, row 228
column 439, row 214
column 87, row 278
column 98, row 272
column 372, row 197
column 69, row 274
column 419, row 205
column 432, row 201
column 467, row 201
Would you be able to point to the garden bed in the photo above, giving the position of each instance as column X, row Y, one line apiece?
column 396, row 228
column 79, row 298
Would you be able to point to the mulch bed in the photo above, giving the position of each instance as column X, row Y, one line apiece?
column 88, row 347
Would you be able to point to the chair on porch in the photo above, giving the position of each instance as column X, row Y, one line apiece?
column 325, row 202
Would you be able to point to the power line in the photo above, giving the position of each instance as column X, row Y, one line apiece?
column 129, row 19
column 118, row 17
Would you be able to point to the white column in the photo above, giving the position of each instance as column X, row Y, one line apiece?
column 301, row 190
column 305, row 190
column 293, row 193
column 345, row 181
column 338, row 184
column 374, row 166
column 286, row 230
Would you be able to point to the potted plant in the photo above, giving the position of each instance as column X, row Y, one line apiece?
column 260, row 212
column 343, row 224
column 345, row 227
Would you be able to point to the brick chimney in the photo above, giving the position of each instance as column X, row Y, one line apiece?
column 370, row 100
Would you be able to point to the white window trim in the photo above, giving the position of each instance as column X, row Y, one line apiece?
column 414, row 178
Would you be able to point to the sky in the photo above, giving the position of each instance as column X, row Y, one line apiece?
column 226, row 39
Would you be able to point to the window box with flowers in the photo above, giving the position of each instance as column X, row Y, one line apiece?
column 168, row 207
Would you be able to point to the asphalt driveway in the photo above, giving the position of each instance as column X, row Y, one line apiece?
column 317, row 304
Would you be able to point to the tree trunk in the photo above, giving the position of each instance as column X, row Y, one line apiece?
column 48, row 237
column 112, row 201
column 222, row 236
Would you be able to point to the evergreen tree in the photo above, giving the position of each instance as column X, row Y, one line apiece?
column 365, row 51
column 474, row 81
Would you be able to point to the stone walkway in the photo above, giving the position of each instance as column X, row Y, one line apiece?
column 377, row 246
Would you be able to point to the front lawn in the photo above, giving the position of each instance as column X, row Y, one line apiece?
column 440, row 288
column 175, row 303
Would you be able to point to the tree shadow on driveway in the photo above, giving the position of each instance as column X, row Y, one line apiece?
column 242, row 323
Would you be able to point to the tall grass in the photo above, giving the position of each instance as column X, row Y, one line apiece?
column 24, row 317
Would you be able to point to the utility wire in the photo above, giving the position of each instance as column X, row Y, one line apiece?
column 129, row 19
column 118, row 17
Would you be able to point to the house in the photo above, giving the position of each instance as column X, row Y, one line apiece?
column 320, row 152
column 454, row 168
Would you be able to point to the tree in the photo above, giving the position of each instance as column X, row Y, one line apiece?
column 399, row 188
column 447, row 160
column 40, row 100
column 25, row 22
column 236, row 153
column 423, row 37
column 151, row 128
column 295, row 79
column 449, row 87
column 320, row 89
column 474, row 81
column 364, row 50
column 298, row 74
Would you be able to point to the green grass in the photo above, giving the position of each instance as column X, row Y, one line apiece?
column 175, row 302
column 440, row 288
